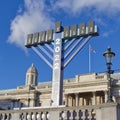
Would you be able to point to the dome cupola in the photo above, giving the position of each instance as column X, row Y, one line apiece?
column 31, row 76
column 32, row 69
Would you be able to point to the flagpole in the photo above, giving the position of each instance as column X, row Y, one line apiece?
column 89, row 60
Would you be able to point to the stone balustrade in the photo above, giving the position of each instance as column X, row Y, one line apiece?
column 108, row 111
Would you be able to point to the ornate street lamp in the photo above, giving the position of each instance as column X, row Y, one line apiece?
column 109, row 57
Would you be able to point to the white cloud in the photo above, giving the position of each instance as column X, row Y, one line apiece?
column 34, row 19
column 77, row 6
column 37, row 15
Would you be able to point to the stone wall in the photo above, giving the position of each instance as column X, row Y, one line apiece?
column 108, row 111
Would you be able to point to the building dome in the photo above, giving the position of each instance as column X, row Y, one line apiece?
column 31, row 76
column 32, row 69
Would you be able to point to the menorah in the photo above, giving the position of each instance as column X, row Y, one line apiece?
column 58, row 47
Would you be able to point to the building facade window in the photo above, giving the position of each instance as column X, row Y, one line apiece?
column 32, row 79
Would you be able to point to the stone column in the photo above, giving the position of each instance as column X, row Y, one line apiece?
column 94, row 98
column 81, row 101
column 66, row 99
column 70, row 100
column 32, row 102
column 76, row 99
column 12, row 104
column 84, row 99
column 106, row 96
column 114, row 99
column 97, row 100
column 18, row 103
column 102, row 100
column 15, row 104
column 29, row 101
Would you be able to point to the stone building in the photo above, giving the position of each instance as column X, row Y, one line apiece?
column 82, row 90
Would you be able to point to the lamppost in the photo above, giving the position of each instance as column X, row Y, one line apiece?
column 109, row 56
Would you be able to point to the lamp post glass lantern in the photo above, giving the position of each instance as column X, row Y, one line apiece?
column 109, row 57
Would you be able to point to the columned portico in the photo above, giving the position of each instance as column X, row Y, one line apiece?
column 83, row 99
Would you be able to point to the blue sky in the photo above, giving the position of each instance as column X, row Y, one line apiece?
column 20, row 17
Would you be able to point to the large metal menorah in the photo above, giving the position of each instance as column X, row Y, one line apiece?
column 58, row 47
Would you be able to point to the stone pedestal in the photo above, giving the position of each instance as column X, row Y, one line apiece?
column 108, row 111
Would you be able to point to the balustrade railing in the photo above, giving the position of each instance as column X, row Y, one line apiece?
column 58, row 113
